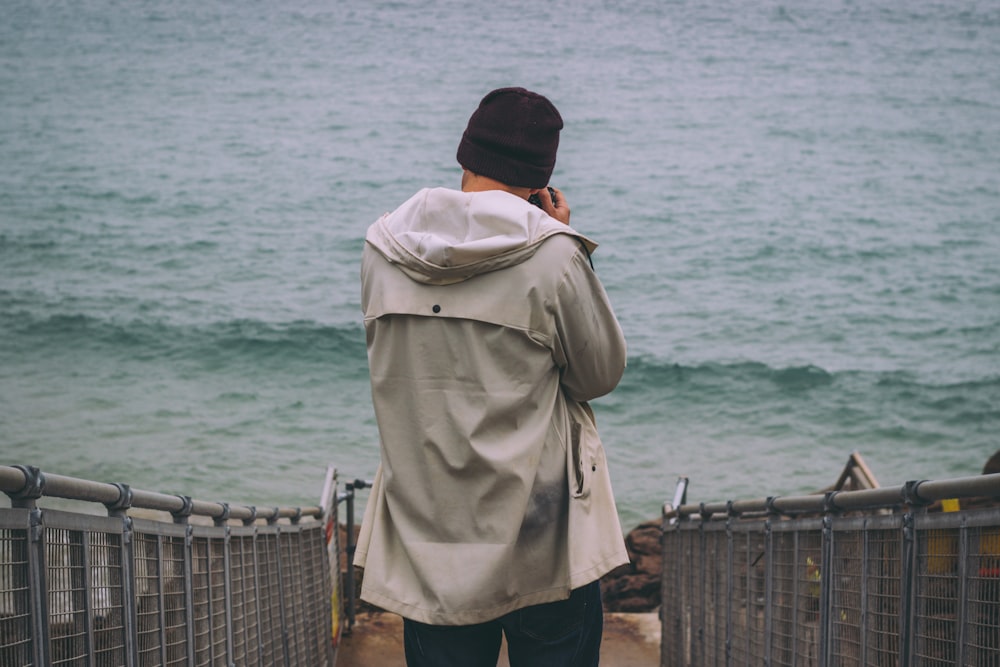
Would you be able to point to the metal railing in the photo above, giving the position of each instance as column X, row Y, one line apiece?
column 254, row 586
column 870, row 577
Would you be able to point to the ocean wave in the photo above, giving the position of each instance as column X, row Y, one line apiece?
column 645, row 372
column 745, row 409
column 231, row 342
column 225, row 343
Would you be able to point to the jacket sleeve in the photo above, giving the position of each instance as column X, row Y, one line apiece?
column 590, row 347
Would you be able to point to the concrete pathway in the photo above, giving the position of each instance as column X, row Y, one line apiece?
column 630, row 640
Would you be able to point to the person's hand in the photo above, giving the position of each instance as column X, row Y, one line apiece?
column 558, row 208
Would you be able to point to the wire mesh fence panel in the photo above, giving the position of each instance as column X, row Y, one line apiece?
column 15, row 600
column 201, row 606
column 736, row 614
column 315, row 585
column 149, row 592
column 846, row 598
column 146, row 586
column 696, row 596
column 783, row 556
column 808, row 576
column 173, row 571
column 757, row 566
column 740, row 607
column 937, row 590
column 811, row 581
column 269, row 599
column 244, row 604
column 104, row 558
column 66, row 576
column 747, row 616
column 794, row 616
column 983, row 609
column 860, row 590
column 291, row 588
column 219, row 621
column 883, row 599
column 670, row 593
column 688, row 587
column 714, row 578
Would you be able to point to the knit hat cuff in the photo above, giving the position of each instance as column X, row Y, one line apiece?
column 505, row 168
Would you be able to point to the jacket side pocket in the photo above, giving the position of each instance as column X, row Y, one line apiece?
column 581, row 462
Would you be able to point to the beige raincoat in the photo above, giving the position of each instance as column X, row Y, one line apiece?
column 487, row 331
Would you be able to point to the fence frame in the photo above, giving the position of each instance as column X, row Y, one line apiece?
column 74, row 581
column 842, row 578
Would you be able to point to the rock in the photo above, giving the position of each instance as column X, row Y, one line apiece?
column 635, row 587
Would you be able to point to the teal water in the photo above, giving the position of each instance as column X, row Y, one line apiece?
column 797, row 207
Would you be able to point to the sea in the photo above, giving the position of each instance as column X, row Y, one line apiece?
column 797, row 206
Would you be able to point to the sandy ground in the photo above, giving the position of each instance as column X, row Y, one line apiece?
column 630, row 640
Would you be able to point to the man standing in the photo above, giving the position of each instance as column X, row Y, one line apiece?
column 492, row 510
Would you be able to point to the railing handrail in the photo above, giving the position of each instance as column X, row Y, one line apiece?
column 920, row 492
column 24, row 484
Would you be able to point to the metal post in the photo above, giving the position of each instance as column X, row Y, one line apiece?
column 130, row 614
column 256, row 586
column 351, row 487
column 130, row 619
column 908, row 571
column 729, row 591
column 206, row 544
column 222, row 521
column 189, row 589
column 683, row 647
column 281, row 590
column 680, row 497
column 664, row 588
column 906, row 591
column 795, row 596
column 37, row 571
column 768, row 590
column 963, row 593
column 80, row 576
column 826, row 594
column 161, row 594
column 227, row 598
column 865, row 561
column 748, row 590
column 24, row 497
column 297, row 607
column 698, row 652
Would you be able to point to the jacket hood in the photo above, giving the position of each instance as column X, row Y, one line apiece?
column 442, row 236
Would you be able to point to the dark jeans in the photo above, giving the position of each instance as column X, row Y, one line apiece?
column 566, row 633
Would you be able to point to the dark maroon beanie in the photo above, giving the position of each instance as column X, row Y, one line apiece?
column 512, row 137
